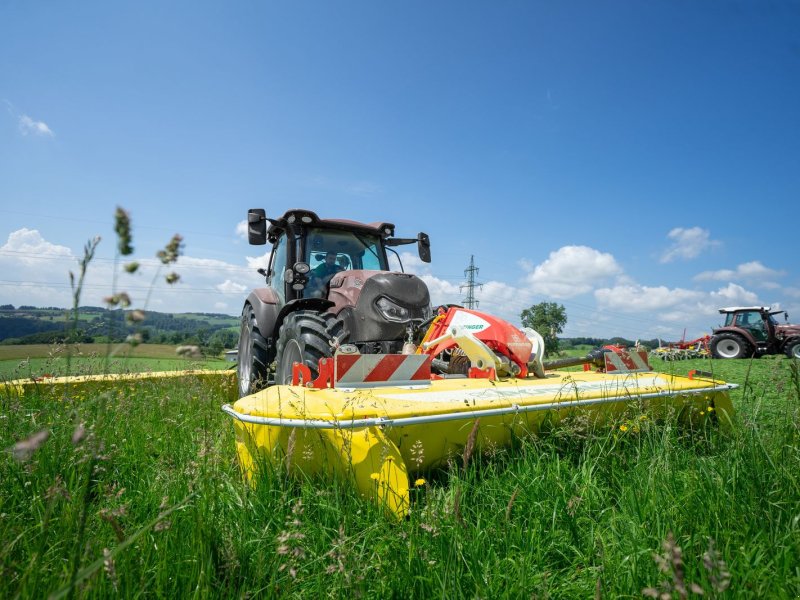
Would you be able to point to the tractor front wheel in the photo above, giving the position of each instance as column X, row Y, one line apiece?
column 252, row 355
column 729, row 345
column 304, row 338
column 793, row 348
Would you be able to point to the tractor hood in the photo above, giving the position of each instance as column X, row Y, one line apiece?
column 788, row 330
column 376, row 305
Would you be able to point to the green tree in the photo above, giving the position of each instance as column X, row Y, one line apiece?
column 547, row 318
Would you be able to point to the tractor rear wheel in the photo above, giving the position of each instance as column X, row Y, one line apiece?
column 304, row 338
column 252, row 369
column 729, row 345
column 793, row 348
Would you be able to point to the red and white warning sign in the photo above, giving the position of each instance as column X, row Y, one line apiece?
column 360, row 370
column 625, row 361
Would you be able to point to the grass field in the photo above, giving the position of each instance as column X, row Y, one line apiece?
column 22, row 361
column 137, row 492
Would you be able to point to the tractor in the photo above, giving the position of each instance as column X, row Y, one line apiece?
column 328, row 284
column 752, row 331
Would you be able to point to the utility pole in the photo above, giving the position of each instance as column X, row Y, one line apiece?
column 470, row 273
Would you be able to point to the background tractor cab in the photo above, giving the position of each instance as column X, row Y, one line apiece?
column 327, row 283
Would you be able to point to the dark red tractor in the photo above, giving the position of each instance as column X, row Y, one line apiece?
column 752, row 331
column 328, row 283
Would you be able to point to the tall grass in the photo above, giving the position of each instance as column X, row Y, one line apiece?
column 137, row 491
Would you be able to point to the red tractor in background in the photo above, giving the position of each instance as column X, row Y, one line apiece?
column 752, row 331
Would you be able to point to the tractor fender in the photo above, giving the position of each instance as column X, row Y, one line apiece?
column 264, row 302
column 740, row 332
column 789, row 342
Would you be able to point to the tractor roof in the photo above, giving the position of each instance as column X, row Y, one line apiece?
column 732, row 309
column 310, row 218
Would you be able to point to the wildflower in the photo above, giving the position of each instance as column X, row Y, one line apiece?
column 122, row 225
column 134, row 339
column 710, row 409
column 643, row 417
column 702, row 412
column 131, row 267
column 420, row 482
column 623, row 428
column 374, row 476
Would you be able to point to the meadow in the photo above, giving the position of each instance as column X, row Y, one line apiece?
column 136, row 491
column 38, row 360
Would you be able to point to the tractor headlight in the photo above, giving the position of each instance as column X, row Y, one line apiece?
column 301, row 267
column 392, row 311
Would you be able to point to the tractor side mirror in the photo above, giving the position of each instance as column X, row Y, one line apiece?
column 424, row 247
column 257, row 226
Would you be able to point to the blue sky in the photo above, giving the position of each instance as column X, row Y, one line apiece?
column 637, row 162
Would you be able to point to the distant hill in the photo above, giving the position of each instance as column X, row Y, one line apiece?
column 33, row 325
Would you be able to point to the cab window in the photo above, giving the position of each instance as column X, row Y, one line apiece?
column 353, row 251
column 278, row 269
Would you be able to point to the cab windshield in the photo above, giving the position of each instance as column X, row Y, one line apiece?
column 352, row 250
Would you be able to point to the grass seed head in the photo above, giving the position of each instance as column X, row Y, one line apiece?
column 24, row 449
column 122, row 226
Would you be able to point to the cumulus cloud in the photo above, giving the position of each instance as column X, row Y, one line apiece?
column 687, row 243
column 230, row 287
column 241, row 229
column 633, row 298
column 748, row 271
column 257, row 262
column 28, row 246
column 35, row 271
column 28, row 126
column 571, row 271
column 733, row 294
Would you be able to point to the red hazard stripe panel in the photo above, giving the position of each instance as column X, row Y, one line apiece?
column 385, row 368
column 424, row 372
column 344, row 363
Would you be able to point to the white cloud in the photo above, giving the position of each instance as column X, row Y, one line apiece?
column 230, row 287
column 241, row 229
column 633, row 298
column 257, row 262
column 687, row 243
column 571, row 271
column 28, row 246
column 35, row 272
column 29, row 126
column 733, row 294
column 747, row 271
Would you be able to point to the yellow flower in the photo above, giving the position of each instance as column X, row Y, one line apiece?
column 702, row 412
column 420, row 482
column 710, row 408
column 374, row 476
column 643, row 417
column 623, row 428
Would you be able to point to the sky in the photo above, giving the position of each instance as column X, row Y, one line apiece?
column 636, row 162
